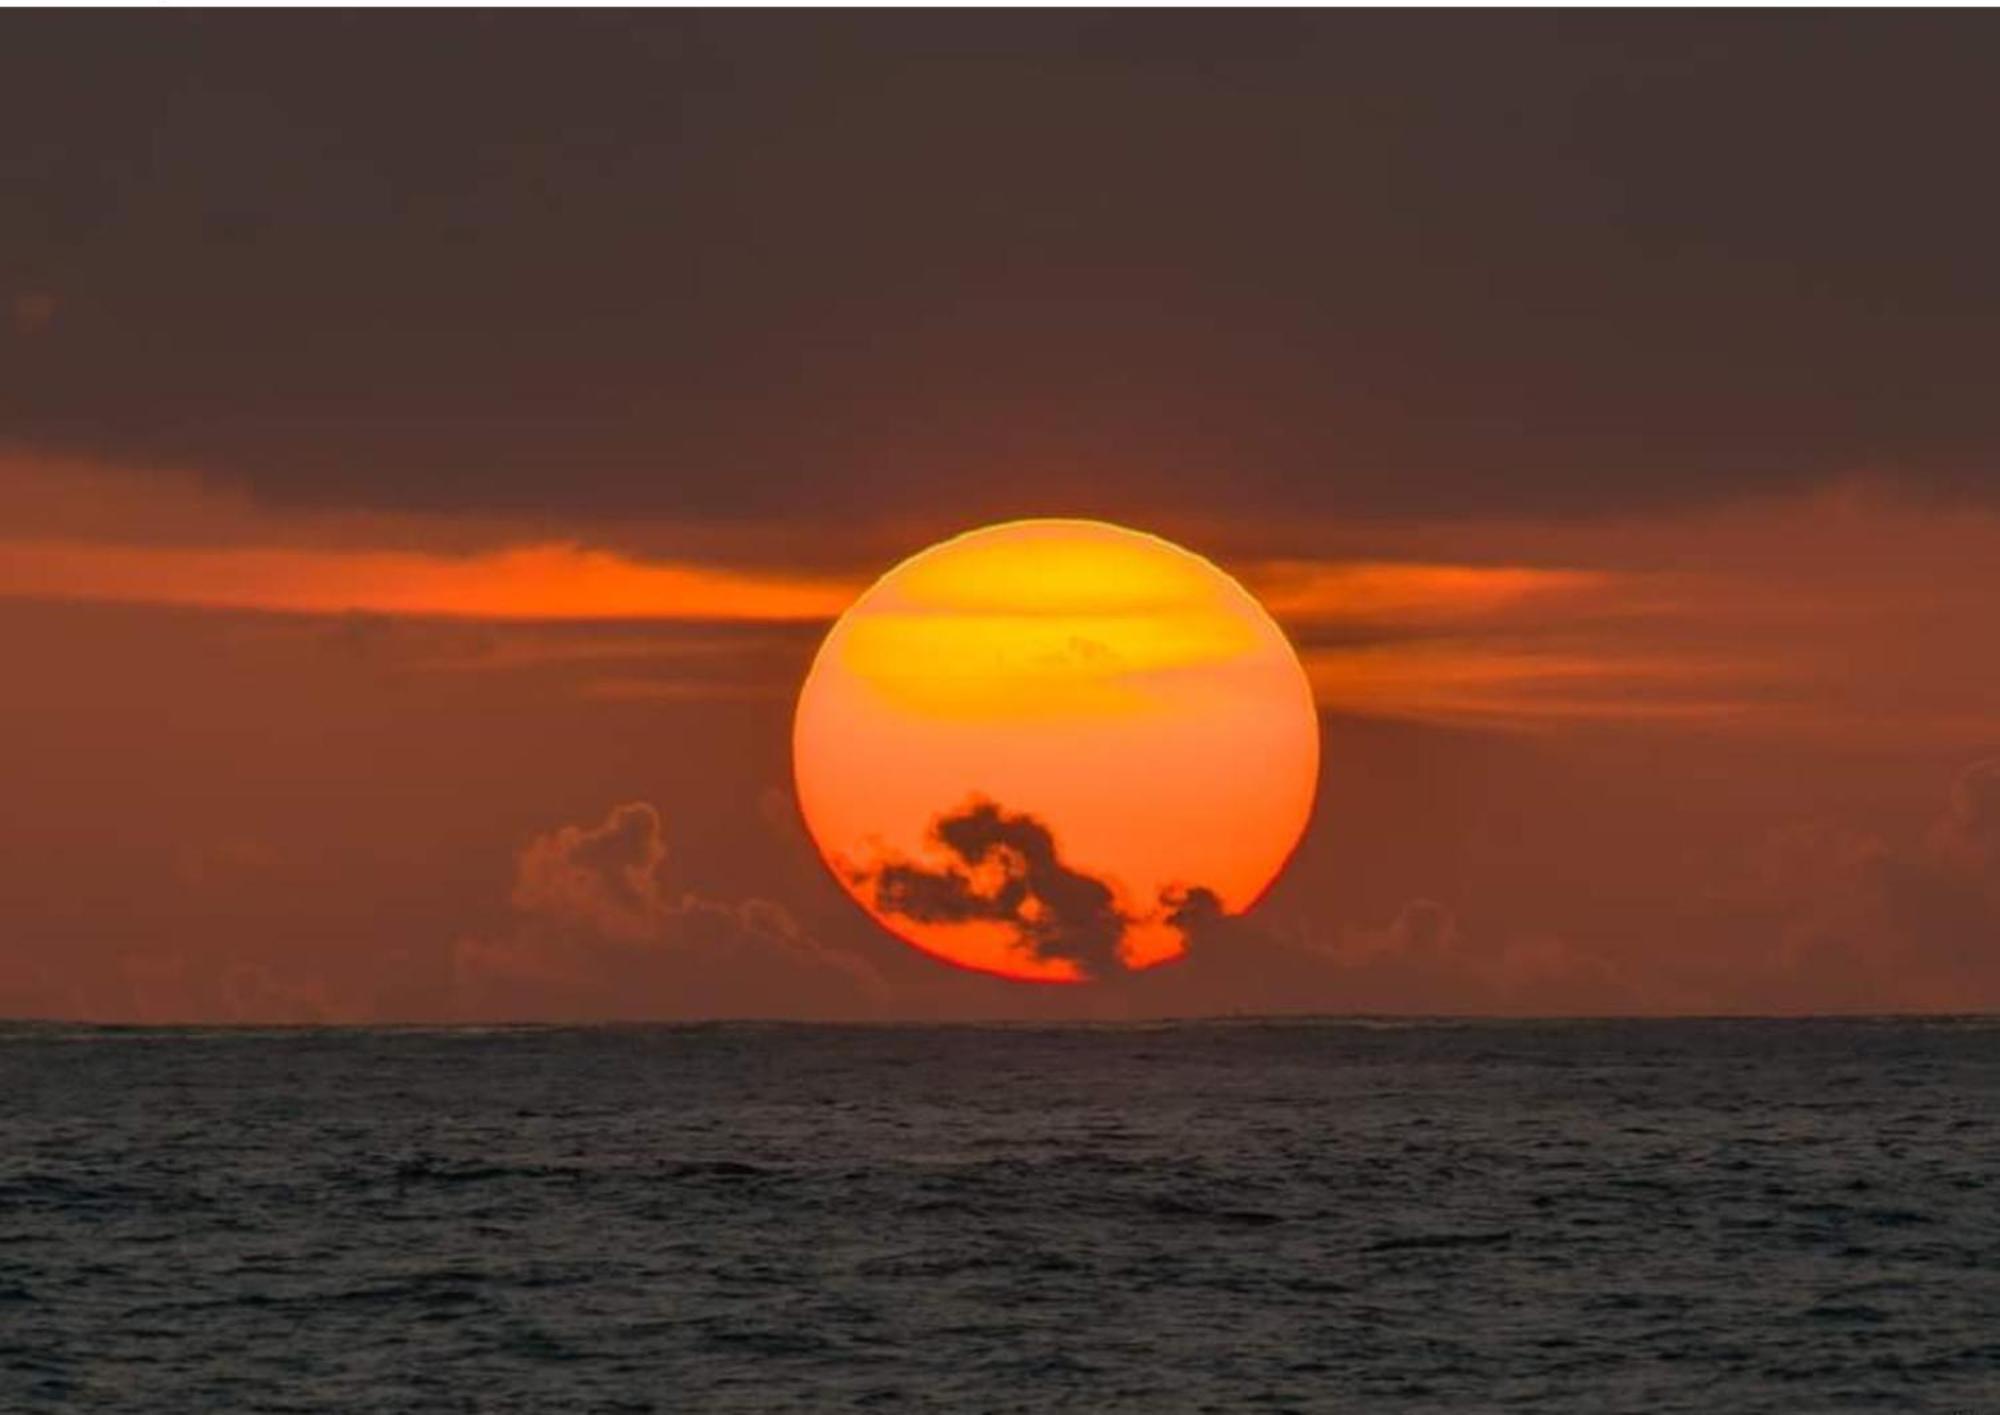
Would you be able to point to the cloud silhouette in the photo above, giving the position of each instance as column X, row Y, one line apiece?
column 1009, row 871
column 1194, row 910
column 1005, row 867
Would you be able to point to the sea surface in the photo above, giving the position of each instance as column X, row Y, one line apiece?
column 1728, row 1216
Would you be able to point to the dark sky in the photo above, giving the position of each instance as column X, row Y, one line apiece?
column 812, row 267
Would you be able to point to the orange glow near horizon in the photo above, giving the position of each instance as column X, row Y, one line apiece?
column 1371, row 589
column 558, row 581
column 1119, row 691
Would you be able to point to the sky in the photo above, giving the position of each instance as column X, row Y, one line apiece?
column 432, row 447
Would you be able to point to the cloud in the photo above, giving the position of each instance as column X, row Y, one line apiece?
column 1194, row 909
column 1821, row 917
column 1832, row 917
column 664, row 662
column 547, row 581
column 1525, row 684
column 77, row 530
column 1405, row 592
column 1009, row 871
column 604, row 877
column 1426, row 959
column 1004, row 867
column 1824, row 917
column 1559, row 351
column 597, row 934
column 1838, row 614
column 1007, row 868
column 1423, row 960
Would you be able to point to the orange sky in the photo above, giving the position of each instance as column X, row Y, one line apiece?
column 271, row 764
column 1760, row 616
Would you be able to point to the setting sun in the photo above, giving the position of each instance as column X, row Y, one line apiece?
column 1032, row 748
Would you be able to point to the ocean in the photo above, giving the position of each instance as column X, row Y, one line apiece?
column 1338, row 1215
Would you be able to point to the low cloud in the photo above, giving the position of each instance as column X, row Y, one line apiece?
column 598, row 934
column 1004, row 867
column 1422, row 960
column 604, row 877
column 1823, row 917
column 1427, row 959
column 1868, row 925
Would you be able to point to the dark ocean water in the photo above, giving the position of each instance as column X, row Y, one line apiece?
column 1588, row 1217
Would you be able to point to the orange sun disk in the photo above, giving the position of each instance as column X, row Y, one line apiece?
column 1109, row 694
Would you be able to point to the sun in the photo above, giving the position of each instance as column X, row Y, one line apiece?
column 1049, row 749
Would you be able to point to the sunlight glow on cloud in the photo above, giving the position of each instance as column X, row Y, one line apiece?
column 1524, row 686
column 1840, row 614
column 1367, row 590
column 531, row 582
